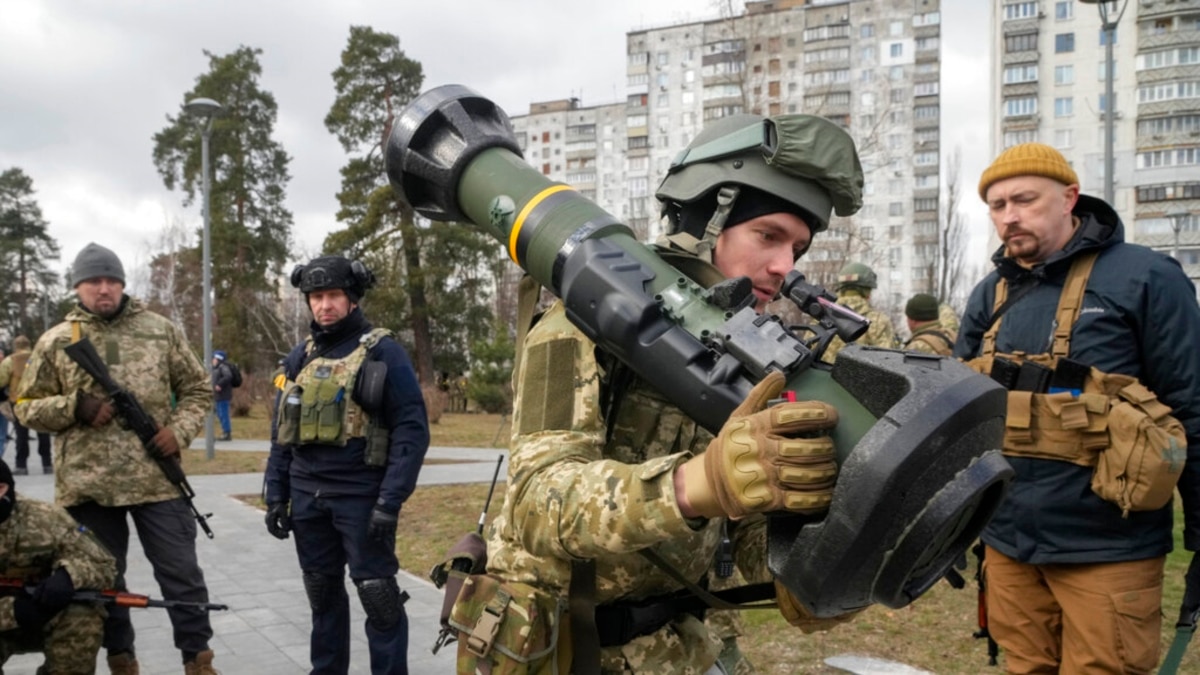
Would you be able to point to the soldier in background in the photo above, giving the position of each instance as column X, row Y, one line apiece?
column 948, row 318
column 928, row 334
column 11, row 370
column 105, row 476
column 41, row 541
column 855, row 281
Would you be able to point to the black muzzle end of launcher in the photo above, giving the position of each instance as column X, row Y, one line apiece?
column 913, row 494
column 434, row 140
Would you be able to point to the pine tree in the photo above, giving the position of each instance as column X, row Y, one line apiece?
column 26, row 280
column 251, row 227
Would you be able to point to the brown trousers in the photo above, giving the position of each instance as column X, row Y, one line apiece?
column 1075, row 618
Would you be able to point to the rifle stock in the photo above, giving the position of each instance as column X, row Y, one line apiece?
column 108, row 596
column 138, row 420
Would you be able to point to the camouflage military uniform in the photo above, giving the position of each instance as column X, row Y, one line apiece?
column 880, row 334
column 37, row 539
column 104, row 475
column 948, row 318
column 578, row 492
column 146, row 354
column 931, row 338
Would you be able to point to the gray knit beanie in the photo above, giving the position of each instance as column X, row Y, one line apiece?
column 96, row 261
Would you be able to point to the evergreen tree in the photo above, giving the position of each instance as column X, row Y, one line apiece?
column 431, row 277
column 27, row 283
column 251, row 227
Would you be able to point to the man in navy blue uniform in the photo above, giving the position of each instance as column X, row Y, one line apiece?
column 350, row 435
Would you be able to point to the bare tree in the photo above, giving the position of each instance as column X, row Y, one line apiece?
column 951, row 265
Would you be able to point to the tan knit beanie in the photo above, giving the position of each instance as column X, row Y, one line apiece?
column 1028, row 159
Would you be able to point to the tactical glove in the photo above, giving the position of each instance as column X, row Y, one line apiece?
column 765, row 459
column 164, row 444
column 35, row 609
column 279, row 523
column 798, row 616
column 382, row 527
column 92, row 411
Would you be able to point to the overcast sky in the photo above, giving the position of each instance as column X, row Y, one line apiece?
column 85, row 85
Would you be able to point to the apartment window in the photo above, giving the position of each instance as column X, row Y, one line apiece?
column 897, row 95
column 896, row 28
column 896, row 73
column 1020, row 10
column 929, row 158
column 896, row 117
column 1104, row 37
column 1021, row 72
column 896, row 49
column 1064, row 42
column 896, row 209
column 924, row 136
column 927, row 43
column 1104, row 101
column 866, row 30
column 1167, row 125
column 1062, row 138
column 867, row 55
column 925, row 204
column 639, row 186
column 1064, row 106
column 867, row 99
column 927, row 19
column 925, row 89
column 1024, row 42
column 925, row 112
column 1018, row 106
column 1064, row 74
column 1012, row 138
column 927, row 181
column 866, row 75
column 1063, row 10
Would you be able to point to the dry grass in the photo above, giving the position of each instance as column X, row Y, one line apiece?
column 463, row 430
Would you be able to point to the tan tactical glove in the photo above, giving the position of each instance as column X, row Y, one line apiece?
column 798, row 616
column 765, row 459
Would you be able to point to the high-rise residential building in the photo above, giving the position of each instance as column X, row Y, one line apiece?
column 872, row 66
column 1050, row 78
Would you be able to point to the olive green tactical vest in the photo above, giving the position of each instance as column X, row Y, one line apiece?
column 327, row 411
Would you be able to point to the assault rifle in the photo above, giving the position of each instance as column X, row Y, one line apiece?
column 11, row 586
column 138, row 421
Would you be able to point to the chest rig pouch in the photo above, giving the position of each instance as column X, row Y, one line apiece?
column 319, row 407
column 1107, row 421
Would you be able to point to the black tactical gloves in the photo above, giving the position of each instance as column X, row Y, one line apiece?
column 382, row 527
column 33, row 610
column 92, row 410
column 279, row 523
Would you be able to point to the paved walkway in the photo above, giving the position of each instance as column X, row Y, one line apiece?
column 265, row 631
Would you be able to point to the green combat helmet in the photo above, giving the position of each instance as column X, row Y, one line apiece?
column 807, row 163
column 856, row 275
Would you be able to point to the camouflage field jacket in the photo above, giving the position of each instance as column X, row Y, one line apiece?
column 147, row 355
column 880, row 334
column 578, row 491
column 39, row 538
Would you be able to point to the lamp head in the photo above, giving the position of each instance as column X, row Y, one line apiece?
column 203, row 107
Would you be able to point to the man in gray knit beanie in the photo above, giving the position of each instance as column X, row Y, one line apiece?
column 96, row 261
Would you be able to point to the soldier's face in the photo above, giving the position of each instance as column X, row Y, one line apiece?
column 1032, row 216
column 329, row 306
column 764, row 249
column 100, row 296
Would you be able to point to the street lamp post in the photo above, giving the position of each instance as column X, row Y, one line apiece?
column 1107, row 10
column 206, row 108
column 1177, row 220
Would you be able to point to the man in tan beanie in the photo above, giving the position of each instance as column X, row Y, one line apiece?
column 1096, row 340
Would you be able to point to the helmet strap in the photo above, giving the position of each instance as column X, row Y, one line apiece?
column 725, row 198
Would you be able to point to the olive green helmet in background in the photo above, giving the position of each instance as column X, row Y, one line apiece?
column 806, row 160
column 856, row 275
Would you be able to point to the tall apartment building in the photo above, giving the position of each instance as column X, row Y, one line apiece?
column 1050, row 77
column 872, row 66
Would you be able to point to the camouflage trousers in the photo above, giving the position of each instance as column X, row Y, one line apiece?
column 70, row 641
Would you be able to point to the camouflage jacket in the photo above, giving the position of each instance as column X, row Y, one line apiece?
column 931, row 338
column 39, row 538
column 577, row 490
column 146, row 354
column 880, row 334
